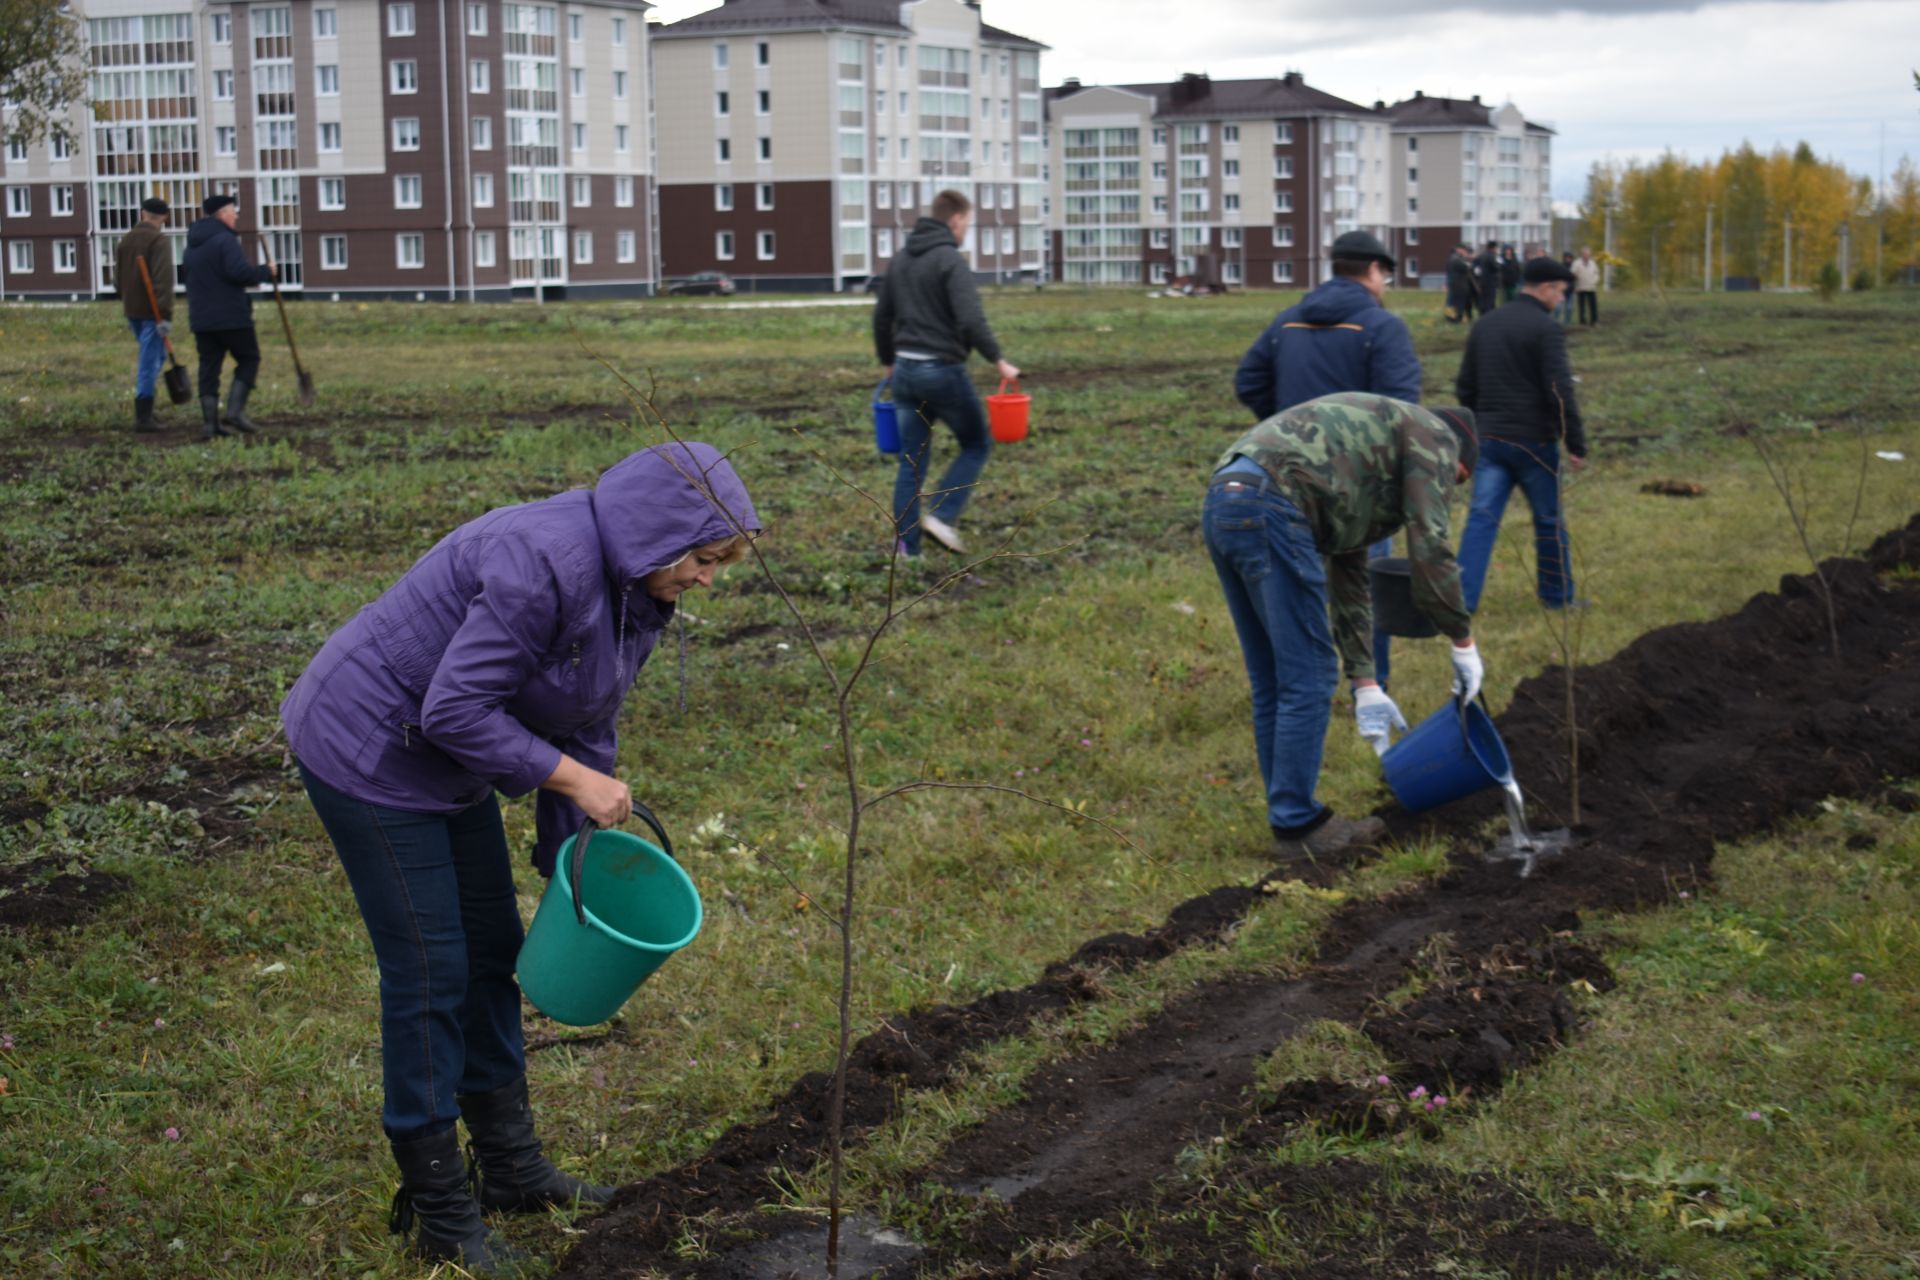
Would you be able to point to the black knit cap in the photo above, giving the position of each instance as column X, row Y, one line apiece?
column 1544, row 269
column 1464, row 433
column 214, row 204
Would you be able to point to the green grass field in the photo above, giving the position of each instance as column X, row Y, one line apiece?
column 189, row 1077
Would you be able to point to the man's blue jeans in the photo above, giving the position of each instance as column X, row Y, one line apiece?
column 436, row 892
column 928, row 391
column 1275, row 582
column 1535, row 468
column 153, row 350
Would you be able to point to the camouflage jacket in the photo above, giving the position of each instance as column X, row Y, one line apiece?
column 1360, row 467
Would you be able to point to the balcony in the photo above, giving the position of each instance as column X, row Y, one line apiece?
column 856, row 71
column 945, row 168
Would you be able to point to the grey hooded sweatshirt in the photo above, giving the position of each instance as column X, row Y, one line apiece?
column 929, row 304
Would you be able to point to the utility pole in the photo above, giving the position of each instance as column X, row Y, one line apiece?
column 1846, row 256
column 1606, row 245
column 1706, row 255
column 1786, row 258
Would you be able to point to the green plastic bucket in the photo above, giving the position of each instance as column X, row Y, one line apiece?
column 589, row 951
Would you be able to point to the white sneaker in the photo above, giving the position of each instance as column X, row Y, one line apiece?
column 943, row 533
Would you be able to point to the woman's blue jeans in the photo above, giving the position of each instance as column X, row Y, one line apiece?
column 1535, row 469
column 927, row 391
column 436, row 892
column 1275, row 582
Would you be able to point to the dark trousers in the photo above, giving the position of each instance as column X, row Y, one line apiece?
column 930, row 391
column 436, row 892
column 1589, row 306
column 215, row 345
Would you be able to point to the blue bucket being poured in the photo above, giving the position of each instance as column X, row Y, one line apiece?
column 886, row 426
column 1453, row 753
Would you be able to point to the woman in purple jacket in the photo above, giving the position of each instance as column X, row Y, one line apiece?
column 498, row 662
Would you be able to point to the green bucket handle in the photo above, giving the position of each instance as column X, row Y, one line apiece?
column 577, row 864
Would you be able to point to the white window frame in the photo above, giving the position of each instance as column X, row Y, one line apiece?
column 623, row 191
column 765, row 148
column 16, row 150
column 720, row 55
column 763, row 102
column 576, row 28
column 220, row 28
column 626, row 247
column 326, row 24
column 20, row 257
column 576, row 82
column 723, row 197
column 400, row 184
column 326, row 80
column 763, row 196
column 1159, row 238
column 1283, row 271
column 480, row 133
column 579, row 135
column 327, row 246
column 484, row 249
column 764, row 247
column 483, row 190
column 580, row 195
column 19, row 202
column 476, row 19
column 222, row 84
column 723, row 246
column 406, row 133
column 403, row 76
column 722, row 104
column 1283, row 235
column 226, row 140
column 883, row 243
column 619, row 32
column 583, row 248
column 479, row 75
column 1232, row 237
column 401, row 20
column 622, row 139
column 335, row 187
column 1283, row 167
column 329, row 128
column 762, row 53
column 62, row 201
column 66, row 257
column 416, row 240
column 722, row 150
column 619, row 84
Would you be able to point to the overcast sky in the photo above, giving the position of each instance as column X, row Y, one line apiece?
column 1625, row 78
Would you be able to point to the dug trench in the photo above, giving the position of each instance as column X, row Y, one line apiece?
column 1694, row 734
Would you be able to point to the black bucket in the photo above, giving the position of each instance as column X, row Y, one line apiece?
column 1391, row 579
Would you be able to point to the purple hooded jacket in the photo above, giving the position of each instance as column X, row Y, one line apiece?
column 513, row 640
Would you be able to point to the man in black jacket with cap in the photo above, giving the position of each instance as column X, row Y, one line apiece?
column 1516, row 379
column 218, row 276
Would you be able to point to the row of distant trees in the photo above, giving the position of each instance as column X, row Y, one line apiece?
column 1784, row 217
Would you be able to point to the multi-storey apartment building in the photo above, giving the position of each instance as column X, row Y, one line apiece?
column 1243, row 182
column 800, row 139
column 1466, row 173
column 433, row 148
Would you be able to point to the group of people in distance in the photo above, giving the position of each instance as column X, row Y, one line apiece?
column 1476, row 284
column 499, row 662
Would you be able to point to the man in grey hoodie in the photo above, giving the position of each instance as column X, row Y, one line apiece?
column 927, row 322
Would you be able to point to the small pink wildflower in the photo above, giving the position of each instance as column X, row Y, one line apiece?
column 1439, row 1099
column 96, row 1190
column 1419, row 1092
column 1753, row 1115
column 1684, row 895
column 173, row 1134
column 1857, row 979
column 159, row 1024
column 1382, row 1081
column 1430, row 1104
column 1086, row 742
column 6, row 1042
column 1019, row 773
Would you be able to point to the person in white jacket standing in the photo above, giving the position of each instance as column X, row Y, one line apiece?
column 1586, row 286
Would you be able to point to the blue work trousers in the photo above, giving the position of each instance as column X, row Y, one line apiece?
column 153, row 351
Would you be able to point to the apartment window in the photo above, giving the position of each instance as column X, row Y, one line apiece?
column 326, row 80
column 619, row 33
column 986, row 197
column 1157, row 273
column 19, row 202
column 480, row 76
column 476, row 19
column 1159, row 204
column 906, row 193
column 721, row 104
column 1006, row 240
column 16, row 149
column 879, row 102
column 582, row 248
column 226, row 140
column 762, row 54
column 719, row 55
column 66, row 256
column 763, row 195
column 221, row 25
column 1412, row 266
column 406, row 133
column 482, row 131
column 901, row 59
column 62, row 201
column 403, row 75
column 883, row 243
column 59, row 148
column 577, row 81
column 1413, row 204
column 763, row 102
column 1283, row 236
column 623, row 246
column 1231, row 237
column 1006, row 109
column 1413, row 144
column 223, row 86
column 619, row 86
column 723, row 245
column 1230, row 202
column 1413, row 235
column 986, row 107
column 20, row 257
column 906, row 148
column 330, row 137
column 1413, row 174
column 1229, row 168
column 333, row 253
column 579, row 137
column 763, row 246
column 1283, row 202
column 333, row 194
column 582, row 191
column 576, row 28
column 766, row 148
column 723, row 150
column 483, row 191
column 326, row 24
column 879, row 54
column 406, row 191
column 1158, row 238
column 883, row 195
column 623, row 191
column 621, row 135
column 1229, row 133
column 1159, row 136
column 723, row 196
column 1283, row 167
column 483, row 253
column 400, row 19
column 1283, row 273
column 1283, row 132
column 410, row 250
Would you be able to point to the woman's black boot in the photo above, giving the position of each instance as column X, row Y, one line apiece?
column 515, row 1176
column 435, row 1196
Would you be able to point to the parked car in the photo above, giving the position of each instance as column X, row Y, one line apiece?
column 703, row 283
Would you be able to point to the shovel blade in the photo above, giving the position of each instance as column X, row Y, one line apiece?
column 306, row 388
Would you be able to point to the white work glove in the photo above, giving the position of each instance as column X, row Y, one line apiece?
column 1377, row 717
column 1468, row 671
column 165, row 328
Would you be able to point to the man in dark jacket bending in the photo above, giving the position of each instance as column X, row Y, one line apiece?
column 218, row 276
column 927, row 321
column 1516, row 379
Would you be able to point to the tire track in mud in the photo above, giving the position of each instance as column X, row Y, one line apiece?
column 1693, row 734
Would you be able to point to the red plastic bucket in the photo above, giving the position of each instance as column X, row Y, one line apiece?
column 1007, row 413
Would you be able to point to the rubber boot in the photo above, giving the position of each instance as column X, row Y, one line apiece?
column 237, row 407
column 515, row 1177
column 435, row 1198
column 143, row 420
column 210, row 418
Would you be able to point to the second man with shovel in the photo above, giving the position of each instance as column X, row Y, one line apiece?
column 218, row 276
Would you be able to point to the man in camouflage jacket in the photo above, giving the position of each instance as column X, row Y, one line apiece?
column 1290, row 512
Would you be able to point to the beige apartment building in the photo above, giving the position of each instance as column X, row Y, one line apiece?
column 399, row 148
column 1466, row 173
column 801, row 139
column 1240, row 182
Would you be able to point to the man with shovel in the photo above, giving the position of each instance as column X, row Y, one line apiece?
column 218, row 276
column 1292, row 508
column 140, row 294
